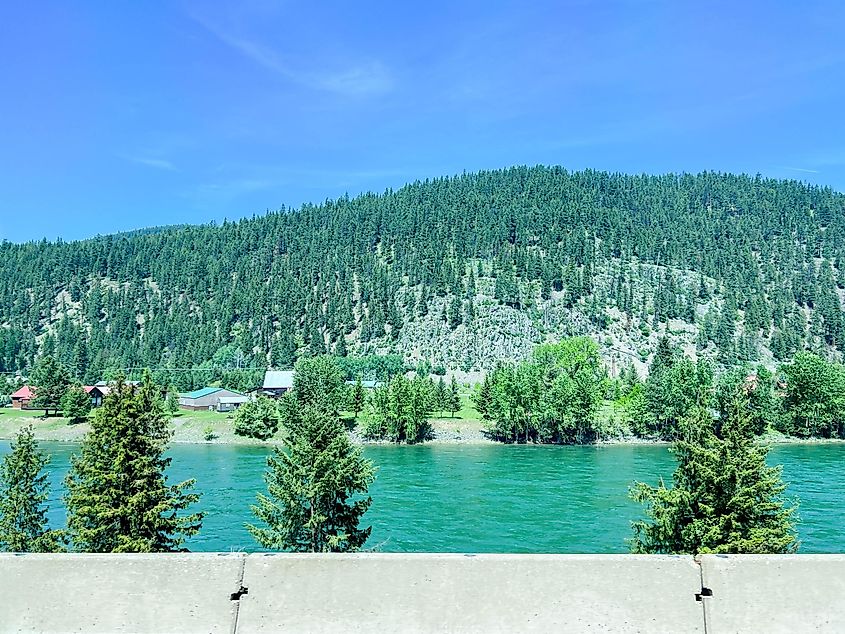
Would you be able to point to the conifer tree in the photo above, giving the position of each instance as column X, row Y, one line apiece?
column 76, row 404
column 440, row 399
column 24, row 491
column 358, row 397
column 723, row 499
column 118, row 498
column 315, row 489
column 483, row 398
column 50, row 380
column 453, row 397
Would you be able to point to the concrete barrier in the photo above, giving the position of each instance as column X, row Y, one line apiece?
column 470, row 593
column 774, row 593
column 119, row 593
column 420, row 593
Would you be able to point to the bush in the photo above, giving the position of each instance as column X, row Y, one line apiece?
column 257, row 419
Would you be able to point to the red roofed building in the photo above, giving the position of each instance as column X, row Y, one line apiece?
column 97, row 393
column 21, row 398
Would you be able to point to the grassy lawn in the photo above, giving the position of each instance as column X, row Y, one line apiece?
column 202, row 415
column 52, row 428
column 467, row 412
column 10, row 412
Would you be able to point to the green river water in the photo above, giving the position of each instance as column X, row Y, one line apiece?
column 489, row 498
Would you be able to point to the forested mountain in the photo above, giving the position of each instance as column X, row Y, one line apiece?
column 460, row 271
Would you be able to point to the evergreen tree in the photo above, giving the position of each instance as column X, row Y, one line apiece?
column 118, row 498
column 483, row 398
column 453, row 398
column 358, row 397
column 318, row 382
column 440, row 400
column 24, row 491
column 50, row 381
column 312, row 485
column 172, row 401
column 76, row 404
column 724, row 498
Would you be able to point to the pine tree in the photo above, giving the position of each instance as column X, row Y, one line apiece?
column 484, row 397
column 50, row 381
column 358, row 397
column 118, row 498
column 76, row 404
column 310, row 484
column 24, row 491
column 724, row 498
column 440, row 399
column 453, row 399
column 172, row 401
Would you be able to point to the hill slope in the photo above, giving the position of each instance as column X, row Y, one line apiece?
column 462, row 271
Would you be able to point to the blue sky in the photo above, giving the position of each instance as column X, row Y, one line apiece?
column 117, row 114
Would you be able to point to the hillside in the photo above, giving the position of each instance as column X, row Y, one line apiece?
column 463, row 271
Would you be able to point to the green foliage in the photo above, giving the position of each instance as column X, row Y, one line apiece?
column 50, row 380
column 24, row 491
column 373, row 367
column 440, row 395
column 483, row 397
column 675, row 385
column 172, row 401
column 76, row 403
column 318, row 382
column 815, row 397
column 453, row 397
column 315, row 489
column 208, row 433
column 118, row 498
column 399, row 411
column 258, row 418
column 355, row 273
column 724, row 498
column 552, row 398
column 756, row 390
column 357, row 397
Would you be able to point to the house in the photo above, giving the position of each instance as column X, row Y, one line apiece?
column 97, row 393
column 276, row 383
column 21, row 398
column 212, row 399
column 231, row 403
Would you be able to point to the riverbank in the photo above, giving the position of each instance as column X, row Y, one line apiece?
column 216, row 428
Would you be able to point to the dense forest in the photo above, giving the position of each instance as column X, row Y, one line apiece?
column 459, row 273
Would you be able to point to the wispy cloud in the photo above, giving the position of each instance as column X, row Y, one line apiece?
column 799, row 169
column 156, row 163
column 367, row 77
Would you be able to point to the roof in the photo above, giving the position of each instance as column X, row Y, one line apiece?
column 233, row 399
column 201, row 392
column 24, row 392
column 276, row 379
column 103, row 389
column 367, row 384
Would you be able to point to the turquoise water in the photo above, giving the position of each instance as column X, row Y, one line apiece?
column 489, row 498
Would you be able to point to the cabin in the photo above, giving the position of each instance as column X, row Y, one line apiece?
column 212, row 399
column 276, row 383
column 97, row 393
column 22, row 397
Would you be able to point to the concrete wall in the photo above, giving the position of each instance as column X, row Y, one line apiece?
column 420, row 593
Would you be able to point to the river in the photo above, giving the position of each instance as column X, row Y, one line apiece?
column 488, row 498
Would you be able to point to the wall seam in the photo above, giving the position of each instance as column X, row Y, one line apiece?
column 237, row 602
